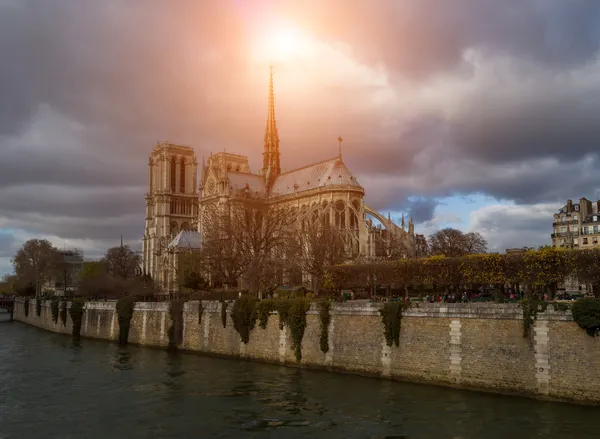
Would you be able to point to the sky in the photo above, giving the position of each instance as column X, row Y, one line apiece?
column 476, row 114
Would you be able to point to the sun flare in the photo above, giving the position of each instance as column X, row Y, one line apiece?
column 281, row 43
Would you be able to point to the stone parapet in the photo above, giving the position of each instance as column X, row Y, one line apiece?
column 467, row 345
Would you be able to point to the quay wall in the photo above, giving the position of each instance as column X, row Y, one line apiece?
column 471, row 345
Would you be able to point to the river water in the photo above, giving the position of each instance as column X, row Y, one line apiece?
column 51, row 388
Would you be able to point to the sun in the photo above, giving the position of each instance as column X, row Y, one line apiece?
column 280, row 43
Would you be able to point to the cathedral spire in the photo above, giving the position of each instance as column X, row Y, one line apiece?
column 271, row 152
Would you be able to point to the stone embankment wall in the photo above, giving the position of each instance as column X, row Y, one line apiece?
column 478, row 346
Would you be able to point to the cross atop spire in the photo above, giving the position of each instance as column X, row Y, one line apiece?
column 340, row 140
column 271, row 151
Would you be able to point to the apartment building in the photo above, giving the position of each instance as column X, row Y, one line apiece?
column 577, row 225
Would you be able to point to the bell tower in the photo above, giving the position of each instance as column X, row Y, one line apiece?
column 171, row 201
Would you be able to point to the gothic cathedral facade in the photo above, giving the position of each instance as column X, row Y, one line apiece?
column 177, row 207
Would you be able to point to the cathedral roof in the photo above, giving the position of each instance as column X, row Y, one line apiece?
column 186, row 239
column 239, row 180
column 332, row 172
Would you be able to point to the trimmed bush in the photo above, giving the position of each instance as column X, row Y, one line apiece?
column 586, row 313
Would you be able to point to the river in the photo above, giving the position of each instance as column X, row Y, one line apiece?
column 52, row 388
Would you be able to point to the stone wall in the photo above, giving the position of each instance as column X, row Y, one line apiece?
column 476, row 346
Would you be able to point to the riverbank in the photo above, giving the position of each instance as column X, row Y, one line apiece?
column 471, row 345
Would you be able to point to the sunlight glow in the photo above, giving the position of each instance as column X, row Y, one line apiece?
column 281, row 43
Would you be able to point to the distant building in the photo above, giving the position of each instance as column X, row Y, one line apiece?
column 577, row 225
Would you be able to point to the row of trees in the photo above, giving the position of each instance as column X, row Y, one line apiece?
column 269, row 245
column 542, row 269
column 40, row 267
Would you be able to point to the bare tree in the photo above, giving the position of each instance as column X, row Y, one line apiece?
column 320, row 247
column 34, row 262
column 122, row 262
column 454, row 243
column 244, row 237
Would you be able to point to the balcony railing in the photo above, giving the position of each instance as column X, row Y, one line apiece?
column 564, row 235
column 565, row 223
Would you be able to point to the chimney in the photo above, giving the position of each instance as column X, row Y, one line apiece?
column 569, row 206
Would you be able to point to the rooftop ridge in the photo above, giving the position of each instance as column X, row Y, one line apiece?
column 313, row 164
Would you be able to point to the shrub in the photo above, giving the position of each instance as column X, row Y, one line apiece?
column 76, row 312
column 176, row 329
column 391, row 317
column 54, row 309
column 26, row 308
column 243, row 315
column 38, row 307
column 292, row 312
column 224, row 313
column 325, row 318
column 63, row 312
column 125, row 307
column 586, row 313
column 263, row 310
column 530, row 308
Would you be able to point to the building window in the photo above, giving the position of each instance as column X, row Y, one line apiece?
column 585, row 241
column 585, row 230
column 182, row 176
column 595, row 229
column 173, row 174
column 563, row 229
column 595, row 240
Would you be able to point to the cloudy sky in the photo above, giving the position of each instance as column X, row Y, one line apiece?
column 476, row 114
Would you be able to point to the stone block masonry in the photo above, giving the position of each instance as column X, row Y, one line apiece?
column 475, row 346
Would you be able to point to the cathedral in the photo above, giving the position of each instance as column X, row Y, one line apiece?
column 179, row 202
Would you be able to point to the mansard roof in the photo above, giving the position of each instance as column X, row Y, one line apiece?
column 328, row 173
column 186, row 240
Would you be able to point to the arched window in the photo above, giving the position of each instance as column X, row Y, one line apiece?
column 174, row 228
column 173, row 174
column 185, row 226
column 182, row 176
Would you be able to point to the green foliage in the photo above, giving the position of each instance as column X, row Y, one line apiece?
column 224, row 313
column 175, row 332
column 530, row 308
column 38, row 307
column 63, row 312
column 243, row 315
column 200, row 311
column 26, row 307
column 76, row 312
column 391, row 317
column 586, row 313
column 263, row 309
column 125, row 306
column 325, row 318
column 292, row 313
column 54, row 309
